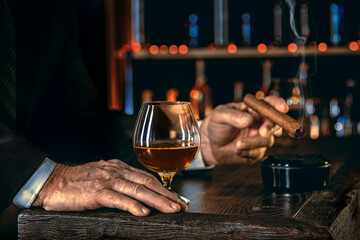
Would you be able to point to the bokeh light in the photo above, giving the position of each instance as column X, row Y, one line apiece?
column 164, row 49
column 353, row 46
column 173, row 49
column 136, row 47
column 183, row 49
column 292, row 47
column 322, row 47
column 261, row 48
column 154, row 49
column 232, row 48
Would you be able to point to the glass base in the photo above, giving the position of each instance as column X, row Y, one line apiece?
column 167, row 178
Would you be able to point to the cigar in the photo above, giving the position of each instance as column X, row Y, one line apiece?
column 289, row 124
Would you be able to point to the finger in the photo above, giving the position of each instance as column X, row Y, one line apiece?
column 266, row 128
column 141, row 177
column 278, row 131
column 253, row 155
column 254, row 142
column 116, row 169
column 278, row 103
column 112, row 199
column 232, row 116
column 145, row 195
column 241, row 106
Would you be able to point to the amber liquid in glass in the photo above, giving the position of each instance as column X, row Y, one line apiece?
column 167, row 156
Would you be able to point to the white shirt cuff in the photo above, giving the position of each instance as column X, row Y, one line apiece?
column 28, row 193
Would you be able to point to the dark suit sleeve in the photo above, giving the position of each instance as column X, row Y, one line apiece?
column 18, row 161
column 73, row 105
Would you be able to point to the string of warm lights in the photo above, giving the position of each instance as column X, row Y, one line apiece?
column 231, row 48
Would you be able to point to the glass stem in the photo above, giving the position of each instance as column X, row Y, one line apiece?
column 167, row 179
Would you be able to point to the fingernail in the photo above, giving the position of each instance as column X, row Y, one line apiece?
column 175, row 205
column 145, row 210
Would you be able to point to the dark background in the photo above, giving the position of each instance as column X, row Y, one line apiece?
column 166, row 22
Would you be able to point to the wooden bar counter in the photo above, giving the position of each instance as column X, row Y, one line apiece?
column 229, row 202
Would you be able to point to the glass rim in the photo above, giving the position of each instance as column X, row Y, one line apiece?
column 166, row 103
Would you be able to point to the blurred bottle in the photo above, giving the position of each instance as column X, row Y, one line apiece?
column 147, row 95
column 275, row 87
column 172, row 95
column 349, row 127
column 334, row 112
column 304, row 19
column 325, row 120
column 303, row 77
column 312, row 110
column 238, row 91
column 314, row 127
column 266, row 79
column 278, row 29
column 344, row 126
column 246, row 29
column 193, row 30
column 336, row 22
column 200, row 94
column 221, row 22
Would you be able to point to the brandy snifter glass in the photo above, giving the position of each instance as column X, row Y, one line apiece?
column 166, row 138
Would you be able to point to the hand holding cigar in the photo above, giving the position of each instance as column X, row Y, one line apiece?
column 235, row 134
column 289, row 124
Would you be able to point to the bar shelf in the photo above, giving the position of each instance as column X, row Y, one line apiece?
column 243, row 52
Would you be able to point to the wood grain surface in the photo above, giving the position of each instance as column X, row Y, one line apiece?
column 229, row 202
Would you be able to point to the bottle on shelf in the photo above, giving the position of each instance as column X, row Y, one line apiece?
column 246, row 29
column 303, row 77
column 238, row 91
column 304, row 19
column 311, row 117
column 275, row 87
column 221, row 22
column 278, row 29
column 266, row 79
column 200, row 94
column 336, row 23
column 137, row 21
column 348, row 108
column 325, row 126
column 147, row 95
column 193, row 30
column 334, row 112
column 345, row 126
column 244, row 24
column 314, row 127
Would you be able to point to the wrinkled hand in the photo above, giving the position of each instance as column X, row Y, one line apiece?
column 112, row 184
column 234, row 133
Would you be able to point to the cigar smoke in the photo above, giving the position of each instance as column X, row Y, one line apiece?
column 300, row 41
column 291, row 4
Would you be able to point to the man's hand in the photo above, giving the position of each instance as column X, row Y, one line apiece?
column 112, row 184
column 234, row 133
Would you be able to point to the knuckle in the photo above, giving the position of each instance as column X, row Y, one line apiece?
column 138, row 188
column 149, row 180
column 97, row 184
column 105, row 174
